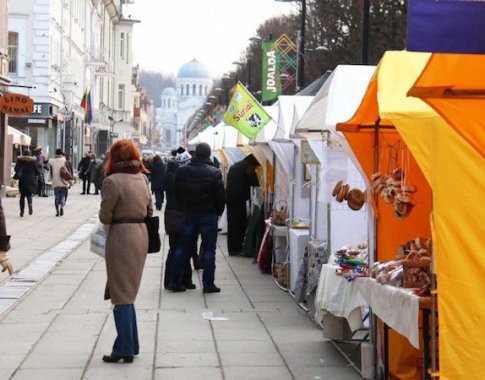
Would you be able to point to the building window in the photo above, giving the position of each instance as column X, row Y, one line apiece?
column 127, row 47
column 181, row 89
column 13, row 49
column 193, row 89
column 122, row 45
column 200, row 90
column 169, row 103
column 187, row 90
column 121, row 96
column 205, row 90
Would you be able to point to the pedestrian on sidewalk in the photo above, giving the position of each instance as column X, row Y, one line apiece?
column 200, row 191
column 240, row 177
column 157, row 180
column 173, row 219
column 4, row 243
column 41, row 161
column 71, row 171
column 101, row 174
column 125, row 203
column 27, row 173
column 82, row 169
column 93, row 173
column 60, row 186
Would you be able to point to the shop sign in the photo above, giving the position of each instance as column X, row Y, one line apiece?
column 16, row 104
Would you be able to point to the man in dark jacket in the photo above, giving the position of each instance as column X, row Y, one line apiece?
column 157, row 180
column 82, row 169
column 240, row 177
column 200, row 191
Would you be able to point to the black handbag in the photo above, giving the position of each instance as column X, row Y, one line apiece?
column 154, row 242
column 18, row 174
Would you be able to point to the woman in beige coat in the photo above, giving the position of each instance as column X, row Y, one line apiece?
column 125, row 202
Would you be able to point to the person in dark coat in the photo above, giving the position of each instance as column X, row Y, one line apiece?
column 82, row 169
column 173, row 219
column 200, row 190
column 157, row 179
column 27, row 172
column 93, row 173
column 240, row 177
column 41, row 161
column 101, row 175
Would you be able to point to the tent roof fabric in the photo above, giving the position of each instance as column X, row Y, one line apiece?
column 315, row 86
column 19, row 137
column 450, row 85
column 287, row 105
column 336, row 100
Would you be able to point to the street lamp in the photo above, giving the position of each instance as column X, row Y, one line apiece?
column 365, row 32
column 112, row 123
column 227, row 83
column 248, row 70
column 300, row 75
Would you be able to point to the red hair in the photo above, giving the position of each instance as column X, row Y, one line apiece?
column 123, row 151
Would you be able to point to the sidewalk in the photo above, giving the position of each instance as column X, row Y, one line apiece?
column 57, row 325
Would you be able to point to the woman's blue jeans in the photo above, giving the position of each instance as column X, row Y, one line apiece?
column 126, row 343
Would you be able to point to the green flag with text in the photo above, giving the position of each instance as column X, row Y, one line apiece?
column 271, row 84
column 245, row 113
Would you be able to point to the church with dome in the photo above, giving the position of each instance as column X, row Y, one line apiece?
column 192, row 86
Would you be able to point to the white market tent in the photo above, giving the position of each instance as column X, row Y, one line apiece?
column 207, row 136
column 291, row 108
column 336, row 101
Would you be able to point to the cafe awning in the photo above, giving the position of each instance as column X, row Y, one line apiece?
column 19, row 138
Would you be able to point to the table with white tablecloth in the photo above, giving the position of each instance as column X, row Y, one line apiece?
column 398, row 308
column 338, row 296
column 297, row 242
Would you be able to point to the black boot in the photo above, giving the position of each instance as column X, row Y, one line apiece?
column 57, row 210
column 21, row 212
column 31, row 210
column 62, row 211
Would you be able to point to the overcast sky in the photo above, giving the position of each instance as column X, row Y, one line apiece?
column 215, row 32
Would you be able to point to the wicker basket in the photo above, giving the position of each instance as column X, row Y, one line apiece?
column 416, row 273
column 280, row 273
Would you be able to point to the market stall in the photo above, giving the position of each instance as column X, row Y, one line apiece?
column 454, row 161
column 334, row 223
column 382, row 150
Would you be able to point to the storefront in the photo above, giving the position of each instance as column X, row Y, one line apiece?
column 42, row 125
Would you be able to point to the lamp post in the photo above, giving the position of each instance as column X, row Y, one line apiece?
column 248, row 71
column 365, row 32
column 218, row 91
column 112, row 135
column 227, row 84
column 300, row 74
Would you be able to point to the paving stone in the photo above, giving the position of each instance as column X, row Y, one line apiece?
column 60, row 326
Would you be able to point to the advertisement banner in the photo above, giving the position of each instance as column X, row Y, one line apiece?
column 245, row 113
column 271, row 84
column 446, row 26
